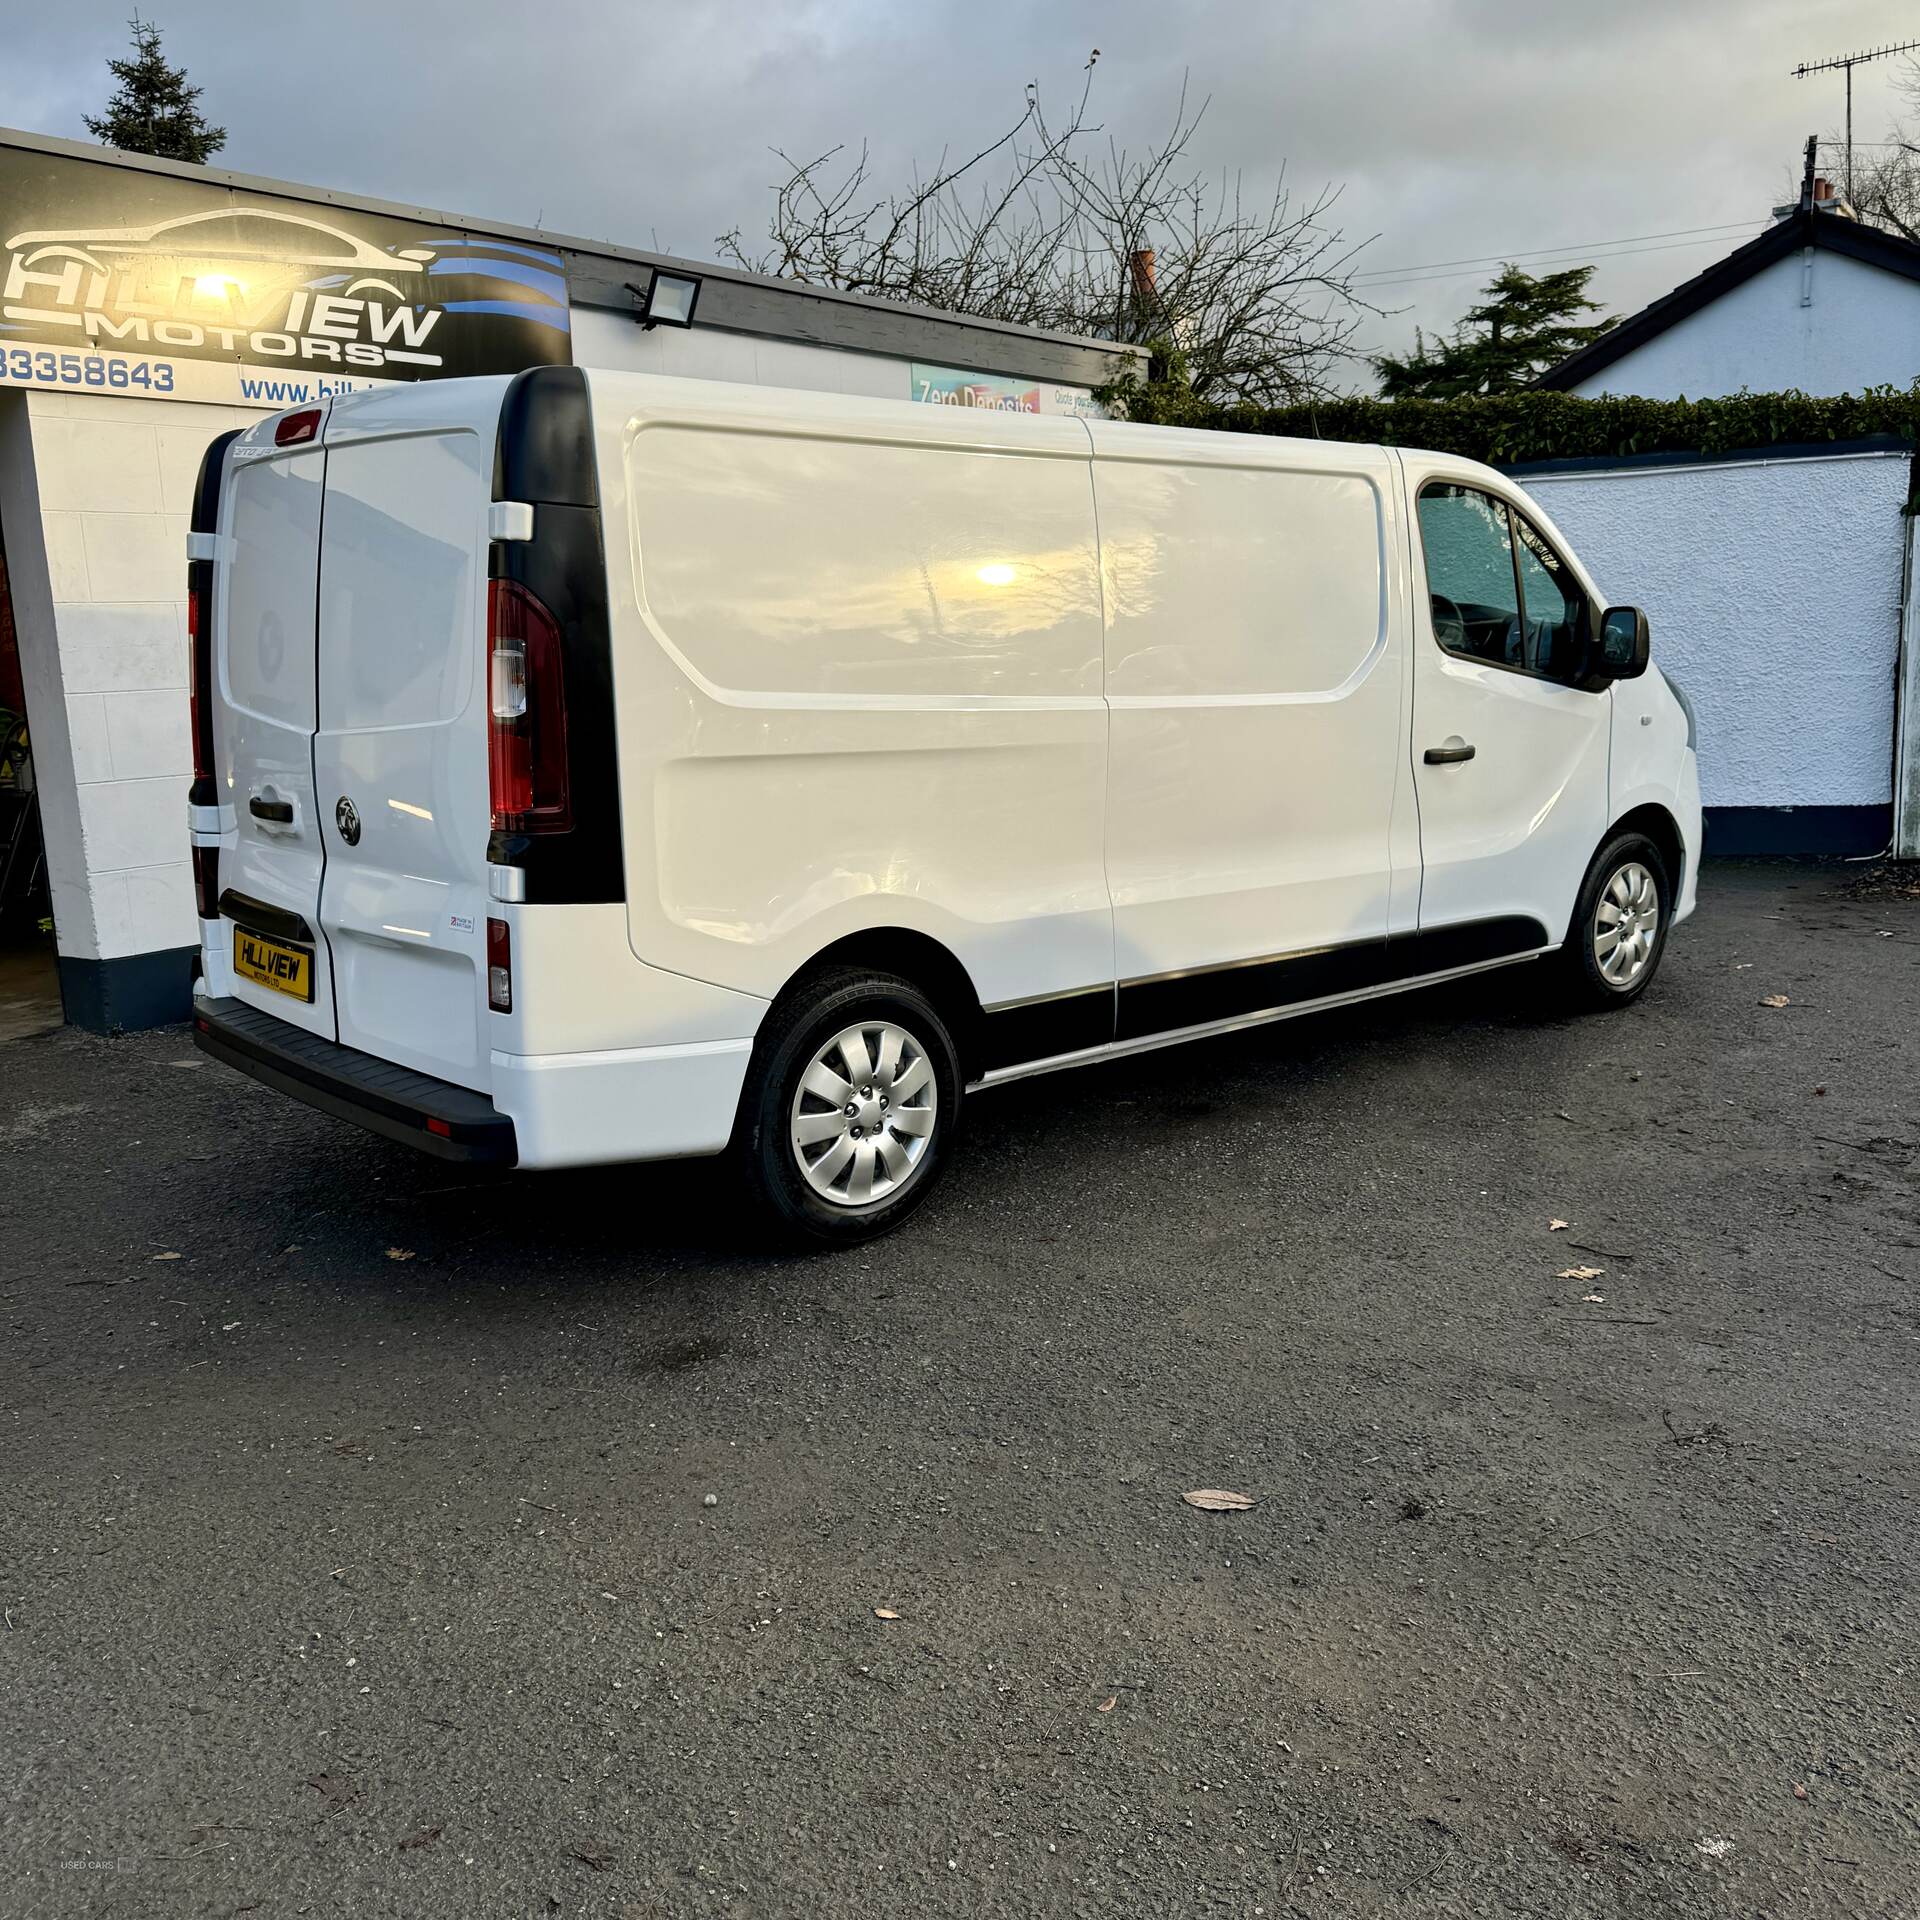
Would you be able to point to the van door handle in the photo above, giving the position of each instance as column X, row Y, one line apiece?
column 1447, row 756
column 280, row 812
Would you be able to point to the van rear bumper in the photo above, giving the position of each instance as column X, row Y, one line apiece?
column 453, row 1123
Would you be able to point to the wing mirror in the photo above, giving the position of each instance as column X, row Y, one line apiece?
column 1622, row 651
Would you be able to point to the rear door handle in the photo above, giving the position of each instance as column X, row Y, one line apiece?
column 1447, row 756
column 280, row 812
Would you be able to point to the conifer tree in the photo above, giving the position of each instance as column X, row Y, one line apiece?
column 153, row 109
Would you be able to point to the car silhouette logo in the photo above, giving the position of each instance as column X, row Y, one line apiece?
column 206, row 244
column 346, row 816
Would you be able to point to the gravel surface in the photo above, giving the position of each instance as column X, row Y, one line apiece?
column 382, row 1539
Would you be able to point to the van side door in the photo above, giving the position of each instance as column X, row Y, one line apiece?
column 1510, row 738
column 1256, row 678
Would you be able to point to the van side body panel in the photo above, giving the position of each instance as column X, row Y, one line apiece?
column 858, row 669
column 1258, row 807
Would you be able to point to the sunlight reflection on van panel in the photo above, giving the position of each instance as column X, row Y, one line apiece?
column 744, row 570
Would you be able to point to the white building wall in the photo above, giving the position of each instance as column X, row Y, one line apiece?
column 617, row 341
column 95, row 492
column 1773, row 592
column 1861, row 328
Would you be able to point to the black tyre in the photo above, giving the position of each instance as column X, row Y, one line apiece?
column 850, row 1107
column 1619, row 926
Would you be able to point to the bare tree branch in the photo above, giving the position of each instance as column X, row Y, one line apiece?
column 1048, row 225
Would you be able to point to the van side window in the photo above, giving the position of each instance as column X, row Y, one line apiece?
column 1470, row 578
column 1555, row 609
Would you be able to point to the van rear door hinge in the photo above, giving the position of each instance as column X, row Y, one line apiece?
column 509, row 520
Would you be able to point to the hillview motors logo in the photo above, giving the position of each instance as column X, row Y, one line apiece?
column 241, row 280
column 120, row 263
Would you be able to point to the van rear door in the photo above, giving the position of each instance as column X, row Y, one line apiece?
column 400, row 753
column 263, row 668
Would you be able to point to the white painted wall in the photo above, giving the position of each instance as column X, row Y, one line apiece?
column 1862, row 329
column 95, row 493
column 619, row 342
column 1773, row 590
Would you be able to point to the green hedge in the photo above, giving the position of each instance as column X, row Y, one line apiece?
column 1509, row 429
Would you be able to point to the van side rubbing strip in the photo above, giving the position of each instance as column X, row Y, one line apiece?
column 1031, row 1029
column 1164, row 1004
column 544, row 456
column 1239, row 1023
column 205, row 518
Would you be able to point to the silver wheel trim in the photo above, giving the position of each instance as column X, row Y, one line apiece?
column 1626, row 924
column 863, row 1114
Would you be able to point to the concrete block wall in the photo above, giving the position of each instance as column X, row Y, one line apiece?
column 95, row 493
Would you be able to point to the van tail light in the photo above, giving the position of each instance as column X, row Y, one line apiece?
column 206, row 882
column 526, row 714
column 297, row 429
column 499, row 966
column 200, row 668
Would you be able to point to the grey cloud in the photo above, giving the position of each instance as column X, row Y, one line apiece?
column 1469, row 128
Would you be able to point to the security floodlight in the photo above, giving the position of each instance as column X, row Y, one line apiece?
column 668, row 300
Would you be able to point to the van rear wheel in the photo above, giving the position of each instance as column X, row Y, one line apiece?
column 849, row 1108
column 1619, row 926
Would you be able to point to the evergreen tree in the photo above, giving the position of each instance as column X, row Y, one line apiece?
column 154, row 110
column 1523, row 327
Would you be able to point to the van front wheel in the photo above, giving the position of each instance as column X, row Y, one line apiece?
column 849, row 1108
column 1619, row 927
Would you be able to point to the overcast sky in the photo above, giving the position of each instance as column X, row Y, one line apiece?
column 1457, row 128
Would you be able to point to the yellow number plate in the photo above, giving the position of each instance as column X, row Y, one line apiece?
column 286, row 970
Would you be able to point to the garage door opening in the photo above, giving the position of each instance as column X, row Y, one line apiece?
column 29, row 972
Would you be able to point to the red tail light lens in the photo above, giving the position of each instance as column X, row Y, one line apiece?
column 296, row 429
column 499, row 966
column 199, row 671
column 526, row 714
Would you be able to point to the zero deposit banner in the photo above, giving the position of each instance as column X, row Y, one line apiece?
column 998, row 392
column 117, row 280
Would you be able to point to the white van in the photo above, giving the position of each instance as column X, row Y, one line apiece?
column 603, row 767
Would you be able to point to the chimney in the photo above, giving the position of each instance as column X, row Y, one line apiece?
column 1824, row 197
column 1140, row 272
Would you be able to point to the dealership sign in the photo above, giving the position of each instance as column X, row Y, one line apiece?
column 116, row 279
column 956, row 387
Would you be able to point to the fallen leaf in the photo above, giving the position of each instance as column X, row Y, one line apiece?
column 885, row 1613
column 1773, row 1000
column 425, row 1837
column 335, row 1789
column 166, row 1256
column 399, row 1253
column 597, row 1857
column 1556, row 1226
column 1579, row 1273
column 1217, row 1500
column 1799, row 1792
column 1107, row 1705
